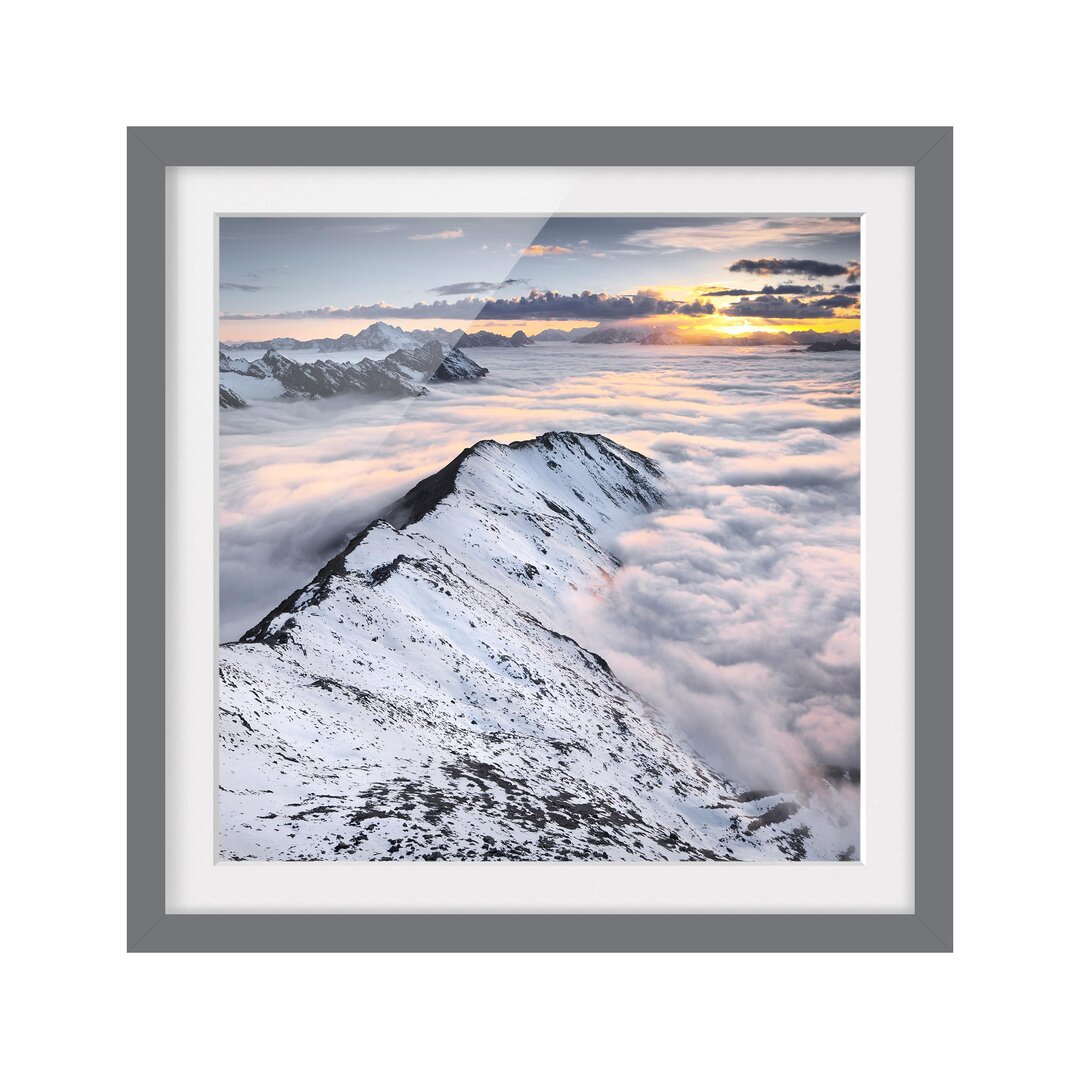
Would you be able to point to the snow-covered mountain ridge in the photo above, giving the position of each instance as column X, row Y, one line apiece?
column 400, row 374
column 418, row 699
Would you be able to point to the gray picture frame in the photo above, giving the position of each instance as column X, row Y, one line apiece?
column 152, row 151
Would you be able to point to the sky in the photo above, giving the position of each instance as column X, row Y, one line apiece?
column 309, row 277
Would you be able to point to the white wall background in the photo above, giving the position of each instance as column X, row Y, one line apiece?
column 75, row 76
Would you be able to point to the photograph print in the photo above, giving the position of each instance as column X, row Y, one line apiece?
column 539, row 538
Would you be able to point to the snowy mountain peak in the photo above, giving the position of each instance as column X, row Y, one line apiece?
column 456, row 365
column 420, row 698
column 562, row 477
column 438, row 362
column 382, row 337
column 530, row 515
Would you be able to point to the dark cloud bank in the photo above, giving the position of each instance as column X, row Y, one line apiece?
column 784, row 290
column 536, row 304
column 471, row 288
column 801, row 267
column 776, row 307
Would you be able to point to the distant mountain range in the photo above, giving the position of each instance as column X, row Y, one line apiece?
column 421, row 697
column 843, row 344
column 553, row 334
column 382, row 337
column 402, row 373
column 486, row 339
column 378, row 337
column 660, row 336
column 611, row 335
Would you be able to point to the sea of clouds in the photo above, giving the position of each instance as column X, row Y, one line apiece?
column 736, row 611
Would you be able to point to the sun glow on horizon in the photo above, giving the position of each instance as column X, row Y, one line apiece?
column 734, row 329
column 235, row 330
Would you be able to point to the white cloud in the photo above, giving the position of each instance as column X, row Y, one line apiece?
column 737, row 234
column 446, row 234
column 544, row 249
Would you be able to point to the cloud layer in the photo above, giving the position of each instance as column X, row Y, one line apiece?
column 537, row 304
column 737, row 608
column 730, row 234
column 775, row 267
column 780, row 290
column 776, row 307
column 445, row 234
column 471, row 288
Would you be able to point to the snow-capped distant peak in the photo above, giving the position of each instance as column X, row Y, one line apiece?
column 382, row 337
column 456, row 365
column 435, row 361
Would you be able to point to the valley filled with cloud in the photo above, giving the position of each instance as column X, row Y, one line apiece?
column 736, row 608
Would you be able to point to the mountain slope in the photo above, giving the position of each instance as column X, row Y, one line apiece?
column 531, row 516
column 416, row 699
column 436, row 362
column 227, row 399
column 382, row 337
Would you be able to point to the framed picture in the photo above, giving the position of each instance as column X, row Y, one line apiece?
column 531, row 547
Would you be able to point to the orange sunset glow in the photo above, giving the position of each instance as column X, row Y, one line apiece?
column 693, row 279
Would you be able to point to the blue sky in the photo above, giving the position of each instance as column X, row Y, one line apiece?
column 315, row 276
